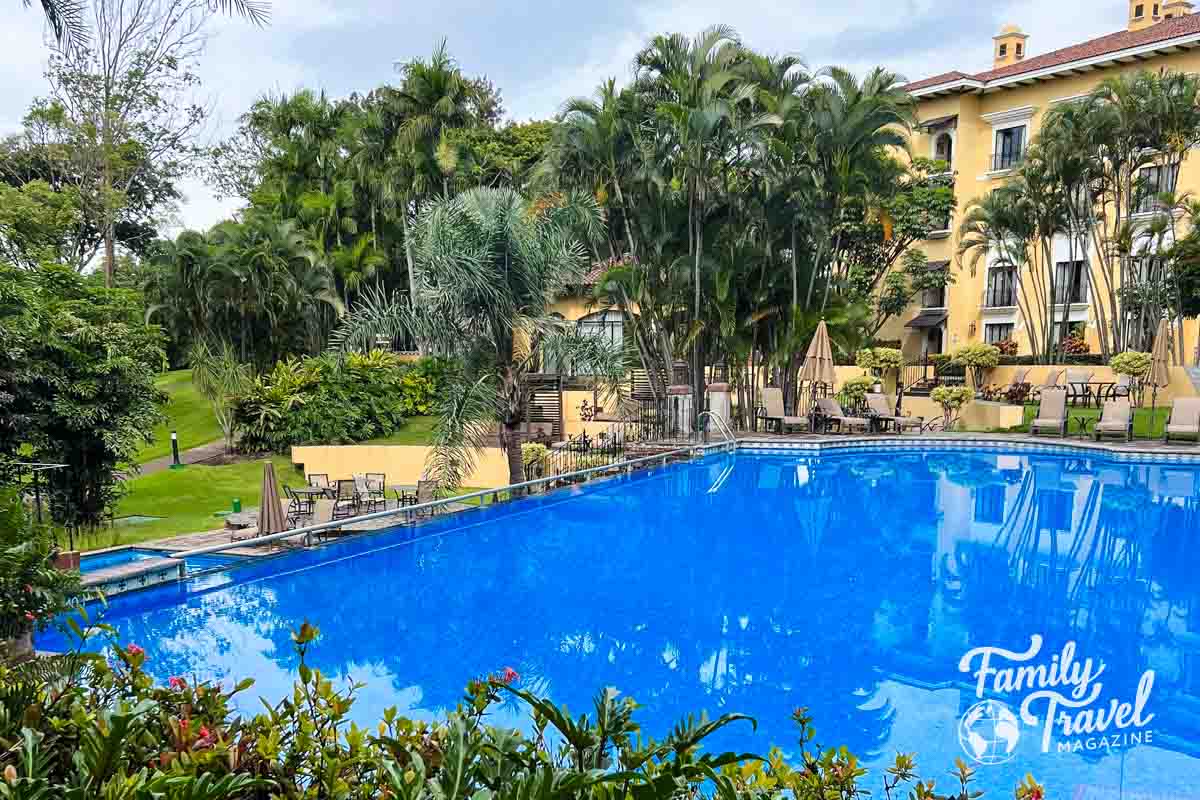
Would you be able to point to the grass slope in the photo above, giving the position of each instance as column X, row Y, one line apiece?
column 188, row 413
column 416, row 431
column 1142, row 420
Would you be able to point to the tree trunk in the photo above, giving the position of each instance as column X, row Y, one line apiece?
column 512, row 449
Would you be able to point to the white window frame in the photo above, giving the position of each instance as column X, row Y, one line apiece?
column 1004, row 120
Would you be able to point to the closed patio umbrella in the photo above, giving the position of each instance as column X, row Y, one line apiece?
column 271, row 518
column 818, row 362
column 1160, row 369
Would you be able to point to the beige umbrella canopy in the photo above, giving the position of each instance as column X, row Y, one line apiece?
column 270, row 512
column 818, row 364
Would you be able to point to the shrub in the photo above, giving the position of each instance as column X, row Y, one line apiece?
column 81, row 726
column 326, row 400
column 855, row 389
column 879, row 358
column 978, row 358
column 951, row 399
column 32, row 591
column 1007, row 347
column 533, row 453
column 1075, row 344
column 1131, row 363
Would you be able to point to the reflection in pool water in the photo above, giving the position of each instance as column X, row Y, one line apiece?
column 850, row 583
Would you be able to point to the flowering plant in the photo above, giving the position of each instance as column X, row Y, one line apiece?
column 1131, row 363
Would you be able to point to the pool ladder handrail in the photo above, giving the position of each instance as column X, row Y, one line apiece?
column 722, row 426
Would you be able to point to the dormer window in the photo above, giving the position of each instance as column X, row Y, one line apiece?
column 1020, row 50
column 1003, row 50
column 1139, row 11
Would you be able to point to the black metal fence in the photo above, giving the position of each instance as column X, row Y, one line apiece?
column 610, row 446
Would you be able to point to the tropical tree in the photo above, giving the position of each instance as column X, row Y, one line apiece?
column 490, row 263
column 67, row 18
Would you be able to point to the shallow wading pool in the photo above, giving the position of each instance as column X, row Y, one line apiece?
column 1028, row 611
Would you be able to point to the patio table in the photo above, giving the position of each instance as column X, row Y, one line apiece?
column 1097, row 390
column 406, row 493
column 312, row 492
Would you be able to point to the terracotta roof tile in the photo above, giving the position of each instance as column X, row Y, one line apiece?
column 1112, row 43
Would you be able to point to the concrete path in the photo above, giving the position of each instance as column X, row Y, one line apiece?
column 193, row 456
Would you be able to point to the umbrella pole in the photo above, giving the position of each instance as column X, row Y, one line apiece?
column 1153, row 411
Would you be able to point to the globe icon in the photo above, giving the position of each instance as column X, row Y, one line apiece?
column 989, row 731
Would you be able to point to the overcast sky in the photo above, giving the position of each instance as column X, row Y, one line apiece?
column 540, row 53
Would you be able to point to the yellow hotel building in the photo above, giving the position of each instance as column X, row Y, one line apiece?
column 981, row 124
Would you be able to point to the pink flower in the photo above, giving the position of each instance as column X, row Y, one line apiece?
column 176, row 682
column 29, row 616
column 204, row 734
column 509, row 675
column 134, row 650
column 28, row 589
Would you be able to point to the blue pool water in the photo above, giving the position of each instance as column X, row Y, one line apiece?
column 129, row 555
column 869, row 586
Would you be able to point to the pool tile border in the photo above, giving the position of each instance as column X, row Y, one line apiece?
column 766, row 446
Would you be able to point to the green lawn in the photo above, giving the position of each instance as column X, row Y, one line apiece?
column 416, row 430
column 188, row 499
column 1141, row 420
column 188, row 413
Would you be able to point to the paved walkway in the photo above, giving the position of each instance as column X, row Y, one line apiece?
column 194, row 455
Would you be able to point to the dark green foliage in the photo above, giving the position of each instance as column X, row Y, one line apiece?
column 328, row 400
column 77, row 369
column 77, row 726
column 32, row 591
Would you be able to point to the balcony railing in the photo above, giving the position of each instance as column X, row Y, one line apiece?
column 999, row 296
column 933, row 298
column 1009, row 159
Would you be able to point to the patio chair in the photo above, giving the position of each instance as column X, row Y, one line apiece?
column 1077, row 386
column 1122, row 388
column 376, row 489
column 345, row 500
column 881, row 406
column 427, row 491
column 1184, row 420
column 1052, row 412
column 772, row 397
column 831, row 410
column 299, row 508
column 1115, row 420
column 319, row 480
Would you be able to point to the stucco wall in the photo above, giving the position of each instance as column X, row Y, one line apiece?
column 402, row 464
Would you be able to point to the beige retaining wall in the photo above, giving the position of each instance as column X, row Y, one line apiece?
column 402, row 464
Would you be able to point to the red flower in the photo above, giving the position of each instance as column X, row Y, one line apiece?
column 509, row 675
column 29, row 616
column 28, row 589
column 176, row 682
column 134, row 650
column 204, row 734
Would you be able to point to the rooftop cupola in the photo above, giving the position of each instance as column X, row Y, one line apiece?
column 1144, row 13
column 1176, row 8
column 1010, row 46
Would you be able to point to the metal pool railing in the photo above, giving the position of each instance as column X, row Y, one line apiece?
column 626, row 466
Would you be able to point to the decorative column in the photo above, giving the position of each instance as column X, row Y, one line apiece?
column 681, row 414
column 720, row 403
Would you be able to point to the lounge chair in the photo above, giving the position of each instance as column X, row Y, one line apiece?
column 772, row 397
column 1115, row 420
column 1078, row 386
column 345, row 501
column 831, row 410
column 1185, row 419
column 881, row 406
column 1052, row 412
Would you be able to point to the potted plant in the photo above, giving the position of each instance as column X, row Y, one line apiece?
column 855, row 390
column 32, row 590
column 884, row 362
column 951, row 399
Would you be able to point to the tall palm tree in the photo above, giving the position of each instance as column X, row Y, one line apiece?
column 66, row 17
column 491, row 263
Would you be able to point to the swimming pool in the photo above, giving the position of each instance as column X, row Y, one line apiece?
column 92, row 562
column 854, row 583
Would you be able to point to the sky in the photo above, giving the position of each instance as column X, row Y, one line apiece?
column 541, row 53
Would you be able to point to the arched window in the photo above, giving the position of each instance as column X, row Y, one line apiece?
column 608, row 324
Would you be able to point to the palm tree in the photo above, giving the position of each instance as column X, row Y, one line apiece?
column 66, row 17
column 491, row 263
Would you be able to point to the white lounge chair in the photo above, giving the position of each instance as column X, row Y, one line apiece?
column 1052, row 412
column 1185, row 419
column 772, row 397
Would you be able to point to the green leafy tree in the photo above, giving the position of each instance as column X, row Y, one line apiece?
column 78, row 381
